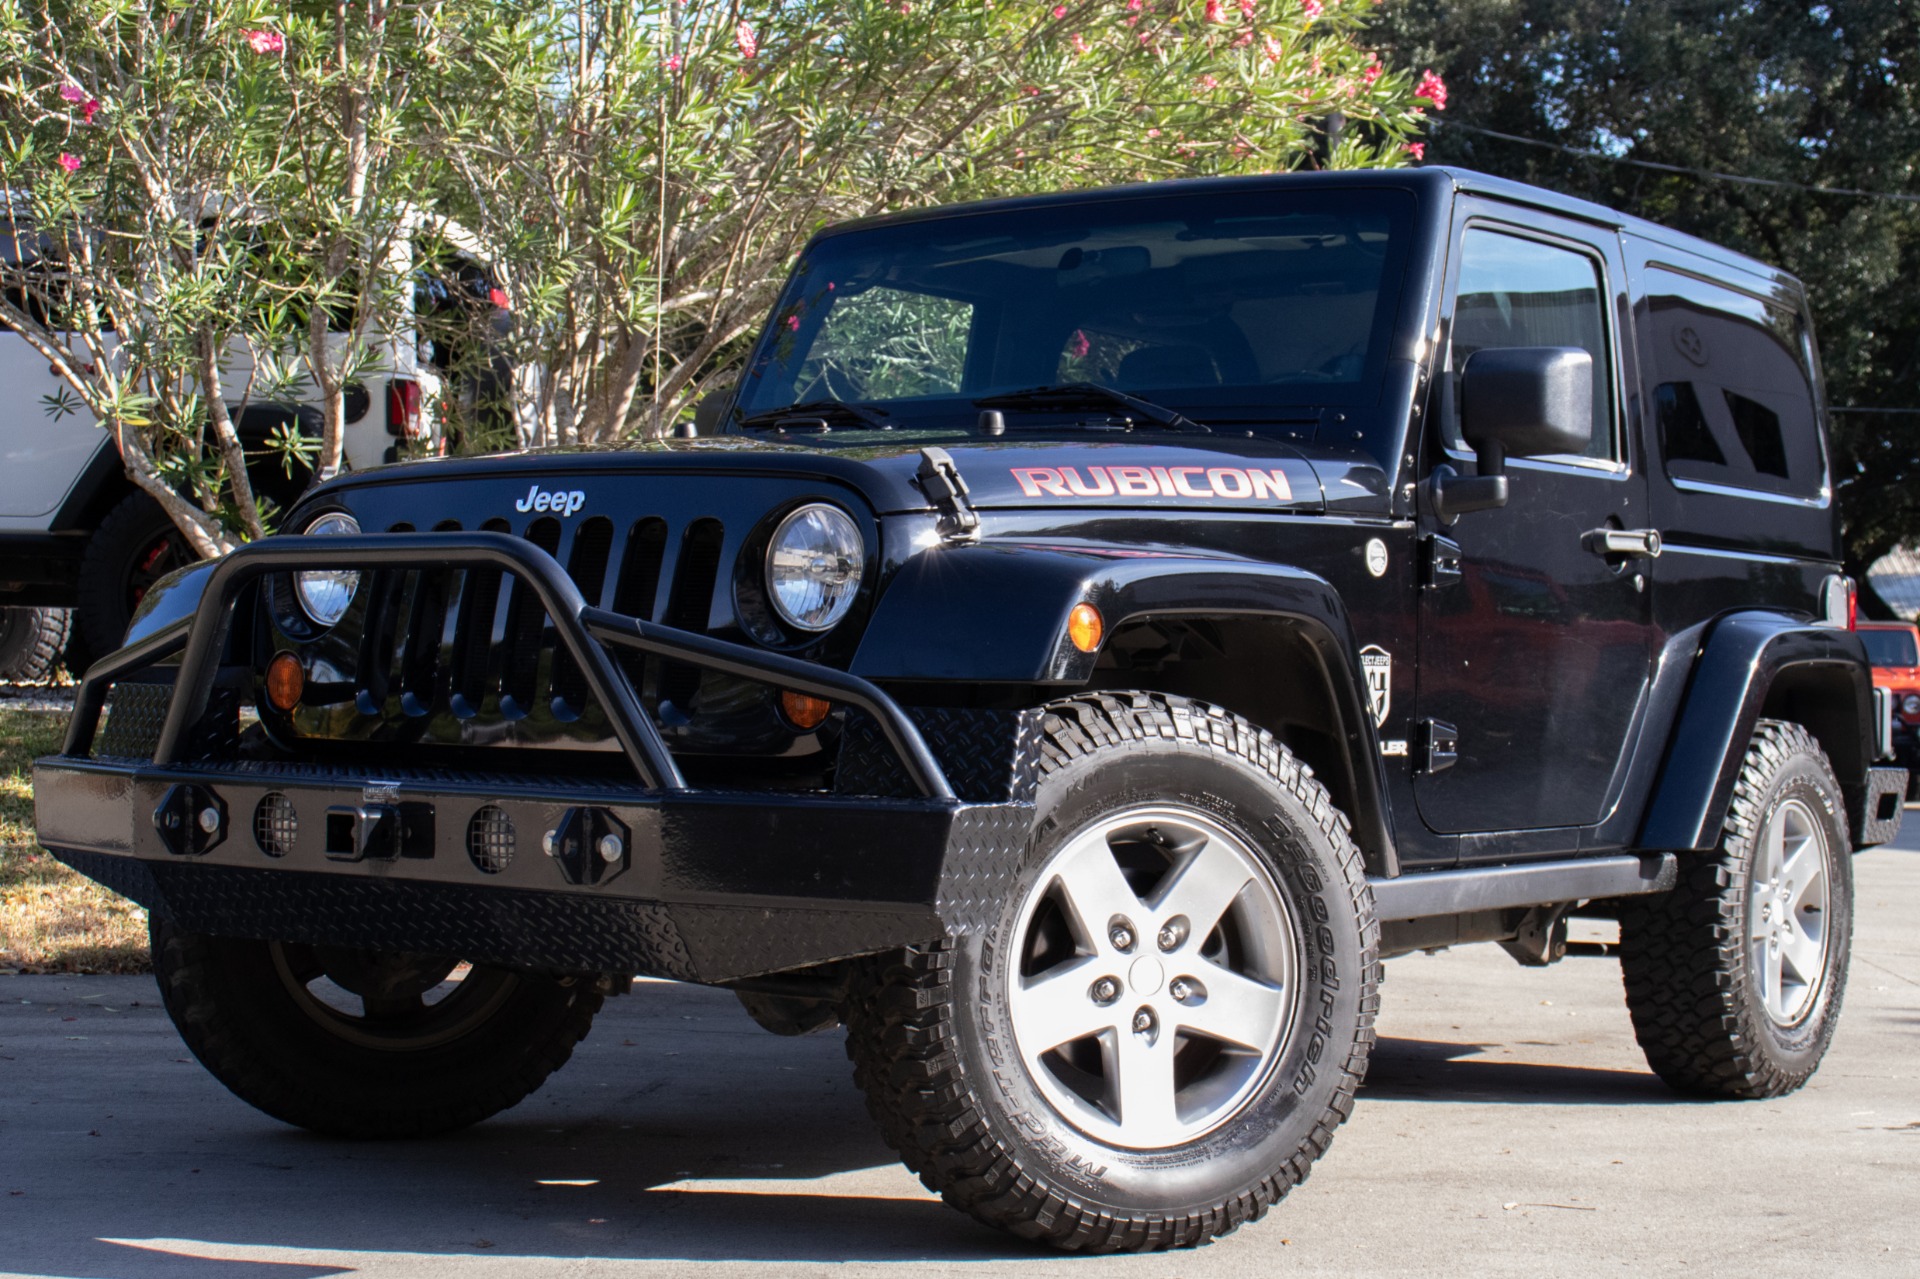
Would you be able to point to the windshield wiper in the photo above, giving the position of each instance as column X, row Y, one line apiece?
column 819, row 414
column 1092, row 395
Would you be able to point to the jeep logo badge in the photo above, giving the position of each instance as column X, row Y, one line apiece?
column 561, row 502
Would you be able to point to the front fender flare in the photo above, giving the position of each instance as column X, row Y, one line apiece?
column 997, row 612
column 1746, row 658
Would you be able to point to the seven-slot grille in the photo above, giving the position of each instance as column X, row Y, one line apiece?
column 456, row 640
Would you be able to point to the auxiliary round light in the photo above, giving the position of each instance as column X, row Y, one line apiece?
column 325, row 593
column 1911, row 703
column 813, row 566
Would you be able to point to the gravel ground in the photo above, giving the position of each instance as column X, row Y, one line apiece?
column 36, row 697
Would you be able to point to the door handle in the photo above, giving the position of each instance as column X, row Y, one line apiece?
column 1632, row 542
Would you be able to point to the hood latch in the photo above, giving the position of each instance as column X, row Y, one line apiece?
column 940, row 480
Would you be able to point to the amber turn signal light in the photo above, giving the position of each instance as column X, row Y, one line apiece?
column 804, row 712
column 1085, row 628
column 285, row 681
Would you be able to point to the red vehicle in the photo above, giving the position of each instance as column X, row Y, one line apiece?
column 1894, row 650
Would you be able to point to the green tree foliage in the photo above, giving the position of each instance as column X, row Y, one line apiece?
column 1821, row 95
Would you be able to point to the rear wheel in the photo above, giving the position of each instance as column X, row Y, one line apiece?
column 366, row 1044
column 1159, row 1033
column 1735, row 977
column 31, row 642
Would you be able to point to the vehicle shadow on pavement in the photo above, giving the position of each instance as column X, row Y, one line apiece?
column 1434, row 1070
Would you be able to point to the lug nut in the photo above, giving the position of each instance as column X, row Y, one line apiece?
column 210, row 820
column 1143, row 1022
column 1104, row 991
column 1173, row 932
column 1179, row 989
column 550, row 843
column 1121, row 935
column 611, row 848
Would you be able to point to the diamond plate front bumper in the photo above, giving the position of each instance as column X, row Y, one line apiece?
column 551, row 874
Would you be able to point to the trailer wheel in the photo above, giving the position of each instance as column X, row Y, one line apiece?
column 366, row 1044
column 1160, row 1031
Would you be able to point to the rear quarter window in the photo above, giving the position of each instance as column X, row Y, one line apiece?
column 1732, row 378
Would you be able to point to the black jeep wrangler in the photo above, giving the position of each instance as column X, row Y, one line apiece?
column 1055, row 662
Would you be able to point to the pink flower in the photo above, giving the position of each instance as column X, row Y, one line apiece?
column 793, row 322
column 73, row 93
column 1418, row 150
column 673, row 63
column 1214, row 11
column 748, row 42
column 1079, row 44
column 1059, row 12
column 1433, row 89
column 1313, row 7
column 905, row 8
column 265, row 41
column 1372, row 73
column 1153, row 133
column 1208, row 82
column 1273, row 48
column 1133, row 6
column 1033, row 90
column 1246, row 9
column 1242, row 40
column 71, row 163
column 90, row 110
column 1078, row 346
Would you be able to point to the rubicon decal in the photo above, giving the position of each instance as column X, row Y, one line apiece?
column 1154, row 481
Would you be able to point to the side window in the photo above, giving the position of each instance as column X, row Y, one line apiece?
column 887, row 344
column 1733, row 391
column 1520, row 292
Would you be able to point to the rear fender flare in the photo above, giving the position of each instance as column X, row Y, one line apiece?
column 1754, row 663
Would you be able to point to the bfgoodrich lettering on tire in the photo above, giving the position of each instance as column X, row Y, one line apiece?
column 1169, row 1018
column 1735, row 977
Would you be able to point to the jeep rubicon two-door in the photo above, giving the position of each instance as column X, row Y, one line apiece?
column 1095, row 631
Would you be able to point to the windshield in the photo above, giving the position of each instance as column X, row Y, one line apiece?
column 1890, row 648
column 1243, row 307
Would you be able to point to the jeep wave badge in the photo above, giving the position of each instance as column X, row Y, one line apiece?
column 562, row 502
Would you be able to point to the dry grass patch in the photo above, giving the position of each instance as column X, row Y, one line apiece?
column 51, row 919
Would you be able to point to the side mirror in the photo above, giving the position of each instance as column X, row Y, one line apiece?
column 708, row 411
column 1523, row 401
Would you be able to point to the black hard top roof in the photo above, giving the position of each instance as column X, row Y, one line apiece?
column 1435, row 181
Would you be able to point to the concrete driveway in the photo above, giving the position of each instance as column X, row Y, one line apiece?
column 1508, row 1127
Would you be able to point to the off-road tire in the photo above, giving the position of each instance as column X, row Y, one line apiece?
column 114, row 569
column 239, row 1018
column 1684, row 954
column 966, row 1116
column 32, row 641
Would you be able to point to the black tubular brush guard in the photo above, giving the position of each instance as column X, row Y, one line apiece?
column 547, row 874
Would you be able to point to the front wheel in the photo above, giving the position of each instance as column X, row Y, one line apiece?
column 366, row 1044
column 1160, row 1032
column 1734, row 978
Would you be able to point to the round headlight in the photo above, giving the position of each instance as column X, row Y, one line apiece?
column 1911, row 703
column 325, row 593
column 813, row 566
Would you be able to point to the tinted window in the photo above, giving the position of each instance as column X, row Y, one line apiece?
column 1222, row 306
column 1733, row 393
column 1518, row 292
column 1890, row 648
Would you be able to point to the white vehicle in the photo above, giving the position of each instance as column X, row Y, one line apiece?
column 80, row 545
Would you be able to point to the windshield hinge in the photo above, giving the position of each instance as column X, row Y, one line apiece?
column 940, row 480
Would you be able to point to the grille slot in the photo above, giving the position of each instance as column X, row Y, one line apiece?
column 490, row 839
column 587, row 566
column 275, row 824
column 638, row 586
column 473, row 635
column 525, row 622
column 690, row 604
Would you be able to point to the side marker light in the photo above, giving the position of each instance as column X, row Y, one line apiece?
column 1085, row 628
column 285, row 682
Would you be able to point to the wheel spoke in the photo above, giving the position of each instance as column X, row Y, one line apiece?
column 1055, row 1007
column 1770, row 992
column 1095, row 890
column 1237, row 1010
column 1141, row 1075
column 1203, row 887
column 1806, row 871
column 1801, row 952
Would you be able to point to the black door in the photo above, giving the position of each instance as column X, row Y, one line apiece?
column 1535, row 657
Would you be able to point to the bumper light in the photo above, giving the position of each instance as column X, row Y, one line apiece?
column 325, row 594
column 804, row 712
column 285, row 682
